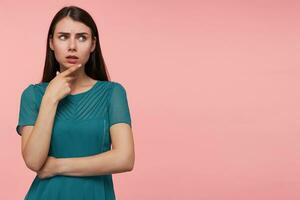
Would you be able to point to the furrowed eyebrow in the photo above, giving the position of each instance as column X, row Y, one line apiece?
column 64, row 33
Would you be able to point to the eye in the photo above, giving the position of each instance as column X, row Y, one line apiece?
column 60, row 37
column 84, row 38
column 81, row 38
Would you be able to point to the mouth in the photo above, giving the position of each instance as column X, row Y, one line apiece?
column 72, row 56
column 72, row 59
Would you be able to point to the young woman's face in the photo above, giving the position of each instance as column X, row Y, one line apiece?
column 71, row 38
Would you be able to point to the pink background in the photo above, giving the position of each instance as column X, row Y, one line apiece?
column 213, row 89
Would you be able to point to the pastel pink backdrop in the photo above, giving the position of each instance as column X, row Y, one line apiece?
column 213, row 89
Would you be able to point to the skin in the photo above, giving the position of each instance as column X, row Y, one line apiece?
column 36, row 139
column 67, row 40
column 72, row 80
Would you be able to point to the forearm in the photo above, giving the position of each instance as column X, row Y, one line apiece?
column 37, row 147
column 109, row 162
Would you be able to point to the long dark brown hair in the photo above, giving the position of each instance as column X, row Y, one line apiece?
column 95, row 66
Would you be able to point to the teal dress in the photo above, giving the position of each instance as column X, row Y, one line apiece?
column 81, row 128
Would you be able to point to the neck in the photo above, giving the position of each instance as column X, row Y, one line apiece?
column 81, row 79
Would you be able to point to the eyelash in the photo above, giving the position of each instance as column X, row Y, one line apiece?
column 66, row 36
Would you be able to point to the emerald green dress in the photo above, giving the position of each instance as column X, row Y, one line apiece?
column 81, row 128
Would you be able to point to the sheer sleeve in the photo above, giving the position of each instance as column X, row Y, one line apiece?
column 118, row 109
column 28, row 110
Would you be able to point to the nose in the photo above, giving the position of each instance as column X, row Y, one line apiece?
column 72, row 44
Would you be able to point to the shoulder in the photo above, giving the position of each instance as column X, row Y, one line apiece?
column 28, row 90
column 117, row 86
column 28, row 94
column 117, row 92
column 41, row 85
column 36, row 86
column 117, row 89
column 40, row 88
column 34, row 91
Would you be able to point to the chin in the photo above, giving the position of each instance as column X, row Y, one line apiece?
column 68, row 65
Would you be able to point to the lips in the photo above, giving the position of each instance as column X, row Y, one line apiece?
column 72, row 57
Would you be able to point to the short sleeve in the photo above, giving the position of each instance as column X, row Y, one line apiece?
column 28, row 110
column 118, row 109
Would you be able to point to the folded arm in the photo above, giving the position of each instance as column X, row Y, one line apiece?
column 119, row 159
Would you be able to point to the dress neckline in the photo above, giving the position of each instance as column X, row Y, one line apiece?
column 84, row 92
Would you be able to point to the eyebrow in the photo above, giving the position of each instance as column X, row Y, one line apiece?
column 65, row 33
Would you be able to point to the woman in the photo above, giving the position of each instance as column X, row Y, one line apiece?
column 70, row 119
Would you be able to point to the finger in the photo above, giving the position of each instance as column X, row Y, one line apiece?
column 70, row 70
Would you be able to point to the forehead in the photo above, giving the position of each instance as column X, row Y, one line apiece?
column 70, row 26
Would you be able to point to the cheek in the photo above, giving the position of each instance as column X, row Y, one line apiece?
column 60, row 46
column 59, row 52
column 85, row 49
column 85, row 56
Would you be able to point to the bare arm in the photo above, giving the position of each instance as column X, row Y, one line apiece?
column 119, row 159
column 36, row 140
